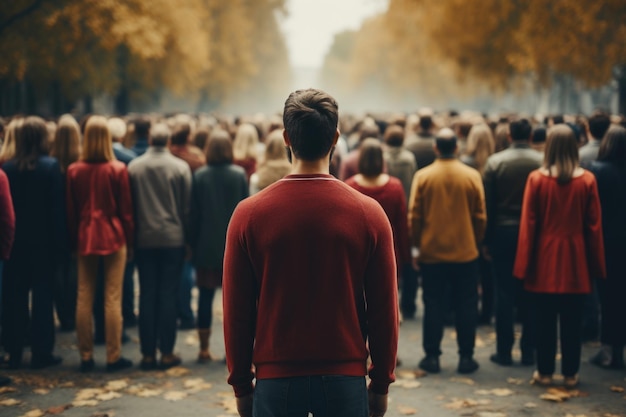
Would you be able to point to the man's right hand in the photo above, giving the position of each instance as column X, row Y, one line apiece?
column 244, row 406
column 377, row 404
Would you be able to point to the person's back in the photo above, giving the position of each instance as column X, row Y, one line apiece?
column 309, row 279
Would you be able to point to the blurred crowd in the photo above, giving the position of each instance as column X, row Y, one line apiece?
column 498, row 219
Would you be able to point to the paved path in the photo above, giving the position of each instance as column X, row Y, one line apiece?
column 201, row 390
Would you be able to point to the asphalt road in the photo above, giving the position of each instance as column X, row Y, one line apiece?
column 201, row 390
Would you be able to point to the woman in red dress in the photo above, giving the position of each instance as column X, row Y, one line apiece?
column 560, row 250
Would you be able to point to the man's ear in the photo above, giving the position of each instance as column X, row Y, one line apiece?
column 286, row 138
column 337, row 133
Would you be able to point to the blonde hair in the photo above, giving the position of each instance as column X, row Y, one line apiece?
column 275, row 146
column 97, row 144
column 480, row 144
column 561, row 152
column 8, row 146
column 245, row 143
column 66, row 145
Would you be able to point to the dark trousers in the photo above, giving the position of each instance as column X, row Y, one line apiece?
column 205, row 307
column 185, row 314
column 159, row 279
column 564, row 311
column 612, row 291
column 462, row 279
column 510, row 294
column 487, row 295
column 321, row 395
column 408, row 291
column 30, row 271
column 65, row 291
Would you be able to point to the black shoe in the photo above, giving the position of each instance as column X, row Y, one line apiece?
column 45, row 361
column 171, row 362
column 467, row 365
column 121, row 363
column 4, row 380
column 502, row 360
column 87, row 366
column 148, row 364
column 430, row 364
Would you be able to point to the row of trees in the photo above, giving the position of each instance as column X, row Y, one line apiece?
column 430, row 48
column 211, row 52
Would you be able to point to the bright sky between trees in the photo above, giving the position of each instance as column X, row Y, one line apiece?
column 312, row 24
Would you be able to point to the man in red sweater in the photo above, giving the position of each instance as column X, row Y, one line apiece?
column 309, row 284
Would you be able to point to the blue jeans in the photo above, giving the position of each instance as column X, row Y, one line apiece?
column 159, row 279
column 321, row 395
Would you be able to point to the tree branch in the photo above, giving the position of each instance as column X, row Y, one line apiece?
column 20, row 15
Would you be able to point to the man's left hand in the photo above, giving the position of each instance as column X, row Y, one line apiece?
column 377, row 404
column 244, row 406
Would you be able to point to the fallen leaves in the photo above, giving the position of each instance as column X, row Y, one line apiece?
column 516, row 381
column 457, row 404
column 34, row 413
column 498, row 392
column 41, row 391
column 175, row 395
column 617, row 388
column 558, row 395
column 59, row 409
column 197, row 384
column 9, row 402
column 460, row 380
column 6, row 390
column 406, row 411
column 116, row 385
column 177, row 371
column 490, row 414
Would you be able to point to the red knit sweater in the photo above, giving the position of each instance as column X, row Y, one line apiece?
column 309, row 276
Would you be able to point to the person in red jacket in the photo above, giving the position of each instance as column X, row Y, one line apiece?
column 7, row 234
column 100, row 221
column 560, row 250
column 309, row 282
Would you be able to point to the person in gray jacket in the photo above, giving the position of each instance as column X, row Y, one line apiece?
column 217, row 189
column 505, row 178
column 161, row 185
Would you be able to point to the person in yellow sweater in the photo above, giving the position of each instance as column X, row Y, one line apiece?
column 447, row 219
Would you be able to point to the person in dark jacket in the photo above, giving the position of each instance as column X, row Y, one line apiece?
column 217, row 189
column 37, row 192
column 610, row 172
column 7, row 234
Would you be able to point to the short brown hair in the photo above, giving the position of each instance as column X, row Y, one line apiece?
column 219, row 148
column 561, row 152
column 97, row 144
column 310, row 118
column 370, row 158
column 394, row 135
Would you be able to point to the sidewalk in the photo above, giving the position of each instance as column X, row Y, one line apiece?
column 201, row 390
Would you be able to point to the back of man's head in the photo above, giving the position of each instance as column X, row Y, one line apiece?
column 159, row 134
column 142, row 127
column 520, row 130
column 599, row 123
column 310, row 118
column 445, row 141
column 181, row 134
column 426, row 123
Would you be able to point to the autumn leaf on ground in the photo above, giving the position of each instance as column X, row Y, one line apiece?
column 107, row 414
column 406, row 411
column 575, row 415
column 34, row 413
column 555, row 395
column 457, row 404
column 116, row 385
column 177, row 371
column 147, row 393
column 88, row 393
column 498, row 392
column 59, row 409
column 530, row 405
column 10, row 402
column 175, row 395
column 490, row 414
column 617, row 388
column 5, row 390
column 197, row 384
column 466, row 381
column 107, row 396
column 68, row 384
column 407, row 383
column 85, row 403
column 479, row 342
column 192, row 340
column 41, row 391
column 516, row 381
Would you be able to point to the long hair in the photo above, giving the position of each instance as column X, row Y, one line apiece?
column 480, row 144
column 561, row 154
column 613, row 146
column 97, row 144
column 8, row 146
column 31, row 143
column 245, row 143
column 66, row 145
column 219, row 148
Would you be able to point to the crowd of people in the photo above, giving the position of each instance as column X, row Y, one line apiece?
column 498, row 221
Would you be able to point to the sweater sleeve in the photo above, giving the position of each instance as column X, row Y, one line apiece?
column 527, row 232
column 382, row 304
column 239, row 297
column 125, row 207
column 7, row 218
column 594, row 240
